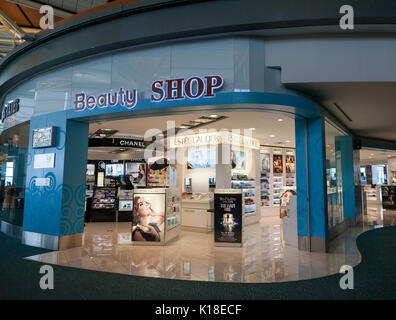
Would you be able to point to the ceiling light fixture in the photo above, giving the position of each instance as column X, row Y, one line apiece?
column 280, row 120
column 272, row 136
column 214, row 116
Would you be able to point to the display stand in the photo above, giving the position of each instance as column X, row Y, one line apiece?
column 195, row 212
column 228, row 217
column 289, row 222
column 103, row 207
column 373, row 195
column 164, row 209
column 388, row 197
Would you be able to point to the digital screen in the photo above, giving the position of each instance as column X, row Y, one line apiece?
column 125, row 205
column 90, row 169
column 114, row 169
column 43, row 137
column 136, row 172
column 201, row 158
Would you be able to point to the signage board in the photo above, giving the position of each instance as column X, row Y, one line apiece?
column 8, row 109
column 116, row 142
column 43, row 182
column 44, row 161
column 162, row 90
column 44, row 137
column 228, row 215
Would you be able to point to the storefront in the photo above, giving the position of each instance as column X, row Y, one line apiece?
column 93, row 124
column 377, row 174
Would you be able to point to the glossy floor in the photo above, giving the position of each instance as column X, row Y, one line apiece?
column 192, row 256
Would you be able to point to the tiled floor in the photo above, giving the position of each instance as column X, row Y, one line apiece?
column 193, row 256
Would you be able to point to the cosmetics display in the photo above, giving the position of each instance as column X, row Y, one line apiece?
column 173, row 209
column 388, row 197
column 265, row 172
column 158, row 178
column 104, row 199
column 247, row 185
column 277, row 185
column 156, row 215
column 158, row 172
column 372, row 195
column 249, row 201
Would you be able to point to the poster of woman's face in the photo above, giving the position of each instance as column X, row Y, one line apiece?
column 148, row 217
column 278, row 164
column 137, row 173
column 290, row 164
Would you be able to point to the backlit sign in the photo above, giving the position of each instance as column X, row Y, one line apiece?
column 161, row 90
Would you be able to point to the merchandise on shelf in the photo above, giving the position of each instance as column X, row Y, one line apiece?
column 104, row 199
column 277, row 185
column 265, row 179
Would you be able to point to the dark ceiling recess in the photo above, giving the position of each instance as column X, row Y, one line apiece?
column 342, row 111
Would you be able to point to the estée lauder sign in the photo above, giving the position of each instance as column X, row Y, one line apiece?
column 161, row 90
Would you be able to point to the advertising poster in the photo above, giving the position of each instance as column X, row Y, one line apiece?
column 201, row 158
column 277, row 163
column 148, row 217
column 290, row 164
column 238, row 160
column 136, row 173
column 265, row 162
column 228, row 218
column 114, row 169
column 284, row 202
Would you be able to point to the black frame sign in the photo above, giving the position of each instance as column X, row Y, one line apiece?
column 44, row 137
column 228, row 216
column 116, row 142
column 8, row 109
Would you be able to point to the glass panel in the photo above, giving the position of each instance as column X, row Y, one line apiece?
column 13, row 157
column 334, row 176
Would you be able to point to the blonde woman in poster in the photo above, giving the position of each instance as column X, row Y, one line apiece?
column 147, row 224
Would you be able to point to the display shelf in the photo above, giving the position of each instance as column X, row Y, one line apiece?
column 104, row 199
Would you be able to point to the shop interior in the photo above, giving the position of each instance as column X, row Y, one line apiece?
column 120, row 176
column 378, row 178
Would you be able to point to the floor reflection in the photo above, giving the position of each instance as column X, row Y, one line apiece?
column 193, row 256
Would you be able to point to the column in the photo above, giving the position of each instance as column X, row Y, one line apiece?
column 54, row 214
column 311, row 184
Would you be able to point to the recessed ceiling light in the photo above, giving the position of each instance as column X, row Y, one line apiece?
column 214, row 116
column 272, row 136
column 252, row 129
column 280, row 119
column 184, row 126
column 287, row 141
column 371, row 154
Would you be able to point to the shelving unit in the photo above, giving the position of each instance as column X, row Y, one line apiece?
column 265, row 188
column 104, row 199
column 277, row 185
column 249, row 194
